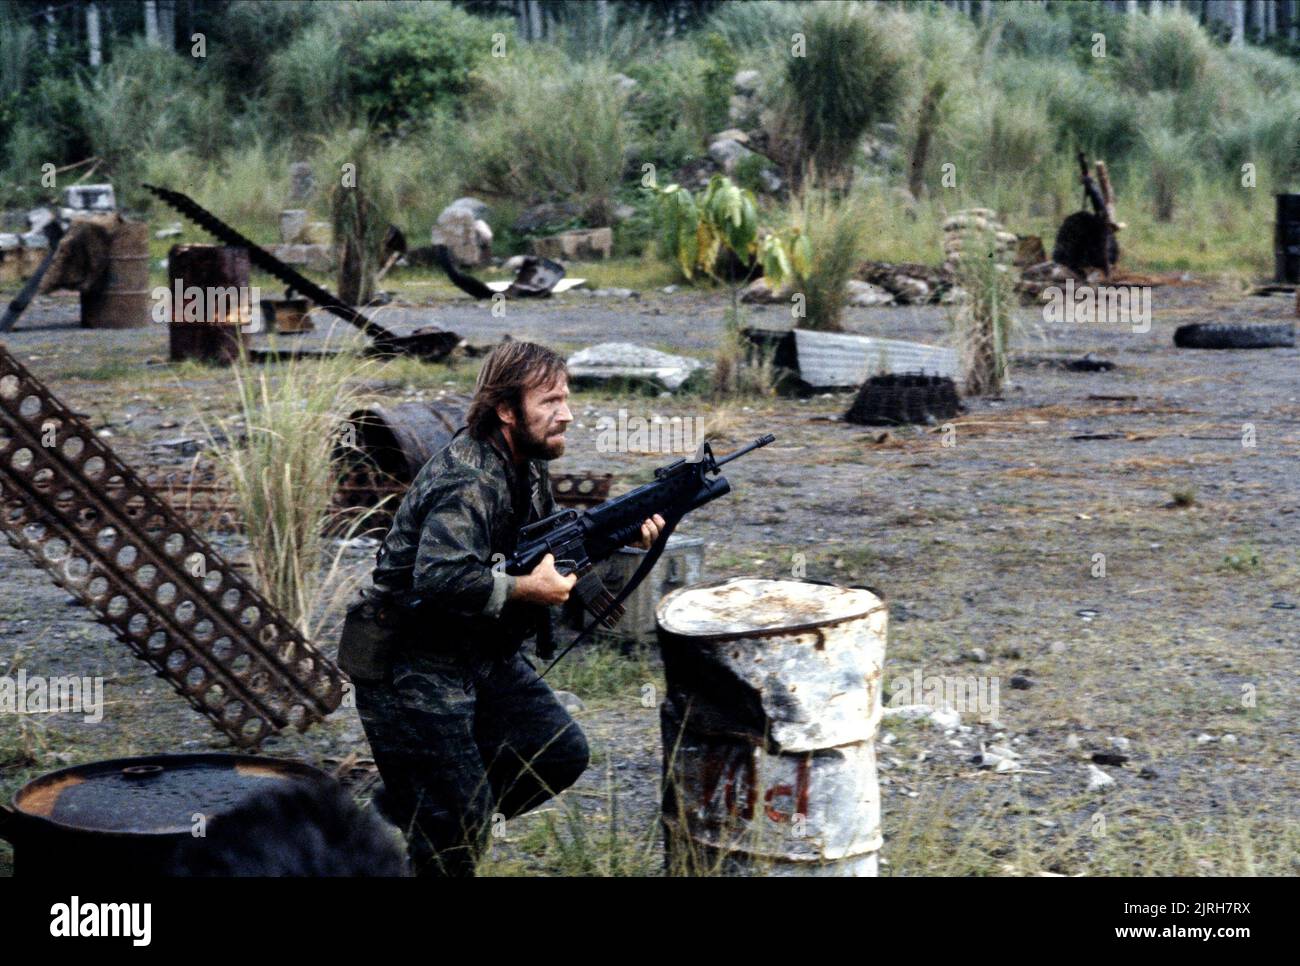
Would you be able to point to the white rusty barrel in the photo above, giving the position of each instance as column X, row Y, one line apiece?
column 769, row 727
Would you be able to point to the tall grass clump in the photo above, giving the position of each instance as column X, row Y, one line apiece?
column 985, row 320
column 836, row 232
column 149, row 100
column 542, row 129
column 1169, row 52
column 852, row 73
column 283, row 476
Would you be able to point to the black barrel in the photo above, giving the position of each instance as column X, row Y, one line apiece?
column 130, row 816
column 1287, row 239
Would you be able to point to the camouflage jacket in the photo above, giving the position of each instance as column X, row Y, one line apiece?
column 464, row 507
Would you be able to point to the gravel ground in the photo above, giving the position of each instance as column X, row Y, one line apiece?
column 985, row 550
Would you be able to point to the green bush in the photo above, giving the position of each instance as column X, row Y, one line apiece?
column 308, row 87
column 1169, row 52
column 418, row 64
column 853, row 74
column 541, row 129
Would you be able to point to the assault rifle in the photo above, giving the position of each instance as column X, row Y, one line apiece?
column 580, row 539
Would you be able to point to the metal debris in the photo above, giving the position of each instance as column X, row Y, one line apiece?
column 106, row 537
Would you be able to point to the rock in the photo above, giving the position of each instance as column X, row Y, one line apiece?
column 1148, row 773
column 478, row 208
column 1098, row 779
column 462, row 229
column 727, row 153
column 1204, row 739
column 771, row 181
column 302, row 182
column 626, row 360
column 747, row 81
column 945, row 717
column 570, row 701
column 911, row 291
column 864, row 293
column 1109, row 758
column 613, row 293
column 731, row 134
column 317, row 258
column 546, row 218
column 584, row 244
column 1229, row 739
column 1121, row 743
column 293, row 222
column 759, row 291
column 1072, row 742
column 1020, row 683
column 669, row 289
column 978, row 655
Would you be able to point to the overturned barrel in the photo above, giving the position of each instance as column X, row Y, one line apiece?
column 396, row 441
column 768, row 728
column 1286, row 249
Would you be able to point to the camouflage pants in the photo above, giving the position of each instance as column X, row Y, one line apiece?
column 458, row 743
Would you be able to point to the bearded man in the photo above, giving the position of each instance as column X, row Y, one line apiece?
column 464, row 733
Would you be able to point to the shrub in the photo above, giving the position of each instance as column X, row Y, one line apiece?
column 420, row 63
column 541, row 129
column 852, row 74
column 836, row 231
column 1169, row 52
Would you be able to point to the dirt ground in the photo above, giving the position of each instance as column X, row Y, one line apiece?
column 986, row 551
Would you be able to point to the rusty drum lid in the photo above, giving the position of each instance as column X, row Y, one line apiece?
column 153, row 795
column 745, row 606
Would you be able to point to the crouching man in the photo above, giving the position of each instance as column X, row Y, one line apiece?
column 461, row 729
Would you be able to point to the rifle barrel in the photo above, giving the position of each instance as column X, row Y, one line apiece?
column 756, row 444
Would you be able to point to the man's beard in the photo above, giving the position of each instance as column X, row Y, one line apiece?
column 534, row 447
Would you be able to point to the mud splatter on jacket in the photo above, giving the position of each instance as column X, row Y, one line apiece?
column 464, row 507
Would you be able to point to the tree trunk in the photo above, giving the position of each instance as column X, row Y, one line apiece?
column 51, row 31
column 1237, row 8
column 167, row 23
column 92, row 34
column 924, row 131
column 151, row 21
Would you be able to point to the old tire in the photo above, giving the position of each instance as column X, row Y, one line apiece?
column 1209, row 335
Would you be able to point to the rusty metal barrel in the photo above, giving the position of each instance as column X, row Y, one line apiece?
column 1286, row 248
column 769, row 726
column 398, row 440
column 205, row 321
column 121, row 298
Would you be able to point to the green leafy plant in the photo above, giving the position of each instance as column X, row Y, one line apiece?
column 696, row 233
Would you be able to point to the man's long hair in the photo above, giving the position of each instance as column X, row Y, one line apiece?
column 509, row 371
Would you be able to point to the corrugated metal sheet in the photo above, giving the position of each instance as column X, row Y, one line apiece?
column 835, row 360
